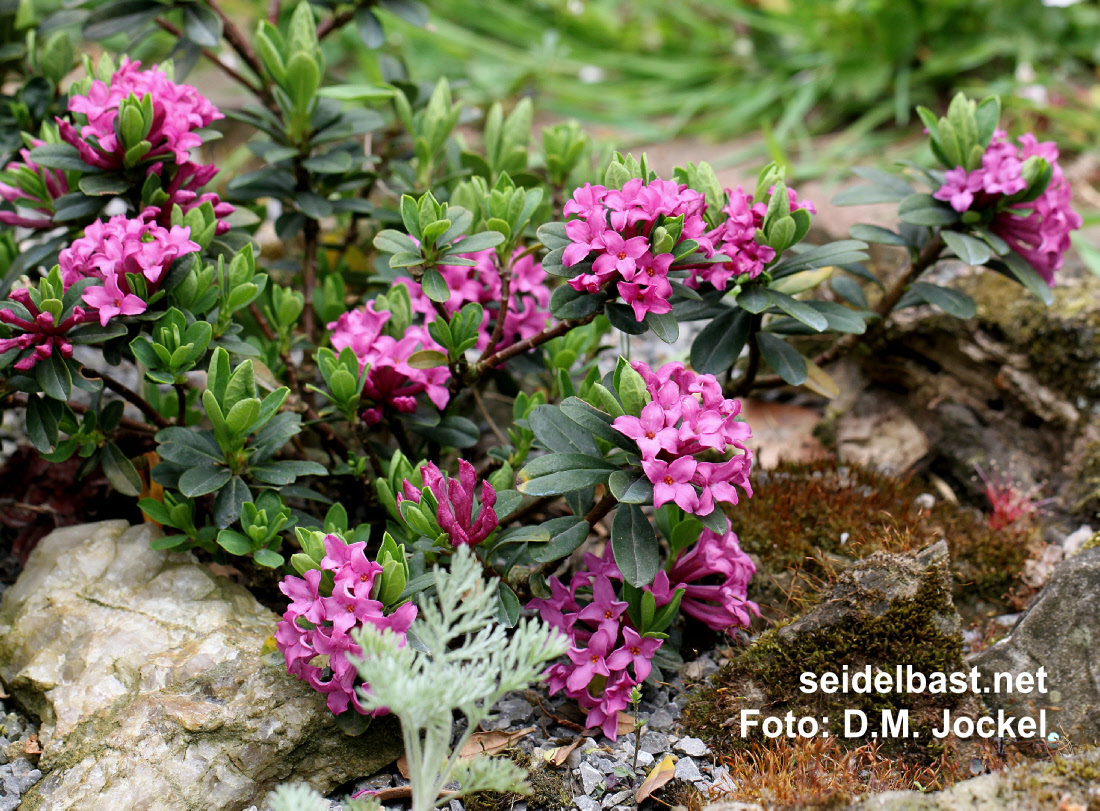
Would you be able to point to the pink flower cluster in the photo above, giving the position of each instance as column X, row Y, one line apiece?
column 183, row 190
column 689, row 415
column 317, row 626
column 528, row 296
column 1039, row 230
column 51, row 184
column 41, row 333
column 109, row 250
column 616, row 226
column 456, row 503
column 719, row 605
column 391, row 382
column 178, row 110
column 608, row 656
column 736, row 238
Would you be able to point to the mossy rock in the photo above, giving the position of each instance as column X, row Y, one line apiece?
column 548, row 789
column 885, row 611
column 809, row 521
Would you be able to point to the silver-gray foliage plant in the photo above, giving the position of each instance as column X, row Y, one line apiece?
column 458, row 658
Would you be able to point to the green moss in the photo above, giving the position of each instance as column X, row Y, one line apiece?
column 808, row 521
column 767, row 675
column 548, row 790
column 1062, row 341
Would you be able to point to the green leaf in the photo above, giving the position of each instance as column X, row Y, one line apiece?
column 924, row 209
column 630, row 387
column 476, row 242
column 567, row 481
column 564, row 462
column 567, row 303
column 119, row 16
column 435, row 286
column 507, row 606
column 841, row 252
column 970, row 250
column 865, row 195
column 622, row 318
column 269, row 558
column 754, row 299
column 664, row 326
column 41, row 424
column 120, row 470
column 634, row 544
column 234, row 542
column 783, row 358
column 560, row 434
column 630, row 488
column 800, row 311
column 952, row 302
column 427, row 359
column 876, row 234
column 596, row 421
column 508, row 501
column 1021, row 270
column 567, row 533
column 201, row 25
column 98, row 185
column 719, row 344
column 198, row 481
column 230, row 499
column 455, row 431
column 53, row 377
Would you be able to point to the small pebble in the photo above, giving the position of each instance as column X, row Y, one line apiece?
column 691, row 746
column 654, row 743
column 615, row 799
column 687, row 770
column 585, row 803
column 456, row 805
column 590, row 778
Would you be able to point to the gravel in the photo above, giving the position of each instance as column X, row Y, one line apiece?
column 17, row 773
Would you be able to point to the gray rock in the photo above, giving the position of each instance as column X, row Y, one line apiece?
column 1060, row 633
column 585, row 803
column 691, row 746
column 145, row 669
column 687, row 770
column 654, row 743
column 590, row 778
column 661, row 718
column 615, row 799
column 456, row 805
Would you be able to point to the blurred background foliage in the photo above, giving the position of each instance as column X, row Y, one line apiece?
column 641, row 71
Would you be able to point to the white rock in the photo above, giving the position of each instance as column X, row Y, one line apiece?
column 145, row 669
column 687, row 770
column 691, row 746
column 585, row 803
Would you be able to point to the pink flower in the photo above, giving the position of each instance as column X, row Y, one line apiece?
column 604, row 607
column 391, row 381
column 334, row 613
column 1039, row 230
column 40, row 333
column 637, row 650
column 620, row 254
column 178, row 110
column 672, row 482
column 120, row 246
column 110, row 301
column 456, row 503
column 590, row 662
column 650, row 431
column 723, row 605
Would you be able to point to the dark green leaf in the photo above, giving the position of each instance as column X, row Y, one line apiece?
column 630, row 488
column 848, row 289
column 53, row 377
column 622, row 318
column 566, row 303
column 664, row 326
column 596, row 421
column 59, row 156
column 230, row 499
column 876, row 234
column 566, row 535
column 41, row 424
column 952, row 302
column 754, row 299
column 634, row 544
column 1018, row 268
column 967, row 248
column 201, row 25
column 198, row 481
column 508, row 501
column 120, row 16
column 560, row 434
column 719, row 344
column 507, row 606
column 798, row 310
column 455, row 431
column 783, row 358
column 99, row 185
column 841, row 252
column 926, row 210
column 567, row 481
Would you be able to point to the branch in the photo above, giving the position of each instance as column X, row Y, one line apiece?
column 129, row 396
column 231, row 72
column 502, row 311
column 338, row 21
column 239, row 43
column 928, row 256
column 550, row 333
column 753, row 367
column 601, row 508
